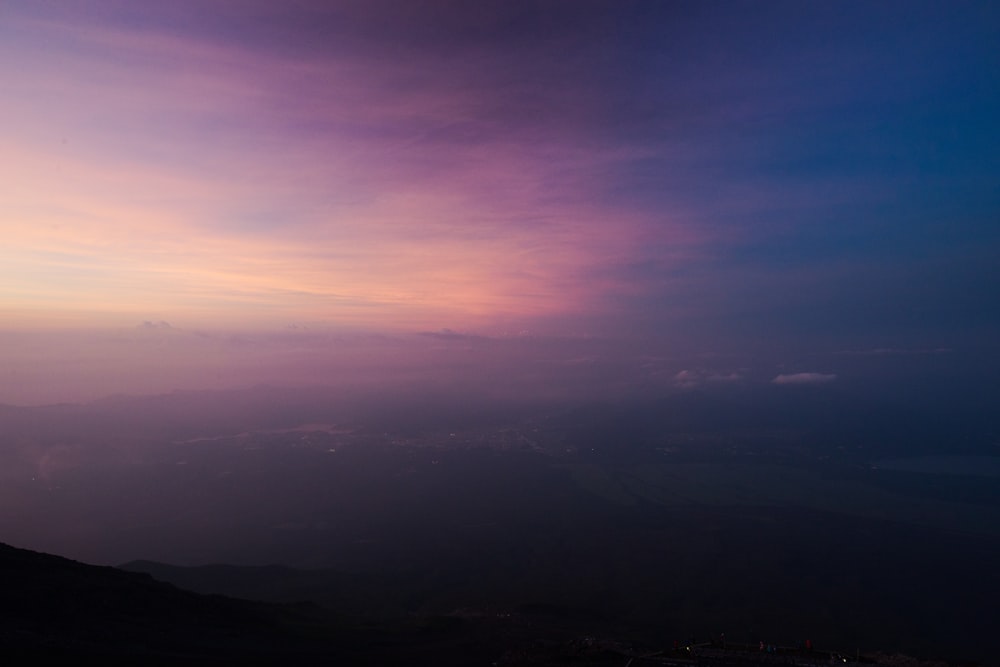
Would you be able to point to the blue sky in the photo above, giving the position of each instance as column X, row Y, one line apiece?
column 703, row 178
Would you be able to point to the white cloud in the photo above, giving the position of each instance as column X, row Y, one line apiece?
column 687, row 379
column 804, row 378
column 695, row 378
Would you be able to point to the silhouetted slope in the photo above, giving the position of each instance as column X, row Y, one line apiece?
column 350, row 593
column 54, row 606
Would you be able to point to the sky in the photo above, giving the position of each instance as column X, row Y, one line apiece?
column 212, row 193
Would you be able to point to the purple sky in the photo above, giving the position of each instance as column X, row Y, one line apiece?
column 682, row 193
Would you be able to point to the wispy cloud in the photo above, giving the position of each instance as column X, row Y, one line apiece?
column 212, row 178
column 688, row 379
column 391, row 167
column 896, row 352
column 804, row 378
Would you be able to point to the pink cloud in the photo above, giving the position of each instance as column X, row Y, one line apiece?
column 211, row 183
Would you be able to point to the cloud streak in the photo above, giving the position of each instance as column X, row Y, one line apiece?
column 214, row 179
column 640, row 170
column 804, row 378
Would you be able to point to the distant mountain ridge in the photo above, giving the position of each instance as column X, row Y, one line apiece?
column 55, row 608
column 346, row 593
column 60, row 610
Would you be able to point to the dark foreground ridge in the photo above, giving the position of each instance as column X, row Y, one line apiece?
column 53, row 607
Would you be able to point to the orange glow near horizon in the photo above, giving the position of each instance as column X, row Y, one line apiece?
column 503, row 170
column 161, row 177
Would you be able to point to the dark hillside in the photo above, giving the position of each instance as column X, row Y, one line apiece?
column 53, row 606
